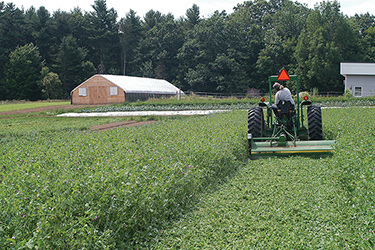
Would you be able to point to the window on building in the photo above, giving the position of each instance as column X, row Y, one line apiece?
column 82, row 92
column 357, row 91
column 113, row 91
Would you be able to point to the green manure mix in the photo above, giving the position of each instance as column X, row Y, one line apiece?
column 115, row 189
column 296, row 202
column 185, row 183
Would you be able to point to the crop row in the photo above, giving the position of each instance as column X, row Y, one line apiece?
column 354, row 160
column 170, row 107
column 112, row 189
column 230, row 105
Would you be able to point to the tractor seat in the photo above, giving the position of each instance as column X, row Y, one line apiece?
column 285, row 108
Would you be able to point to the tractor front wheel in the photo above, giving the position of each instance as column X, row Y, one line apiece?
column 314, row 117
column 255, row 122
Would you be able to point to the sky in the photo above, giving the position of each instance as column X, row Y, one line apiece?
column 178, row 7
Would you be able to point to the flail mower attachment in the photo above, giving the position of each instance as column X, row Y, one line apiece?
column 286, row 133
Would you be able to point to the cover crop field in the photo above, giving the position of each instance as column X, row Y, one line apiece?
column 182, row 183
column 297, row 202
column 29, row 105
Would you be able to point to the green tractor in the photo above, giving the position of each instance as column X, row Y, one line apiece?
column 285, row 132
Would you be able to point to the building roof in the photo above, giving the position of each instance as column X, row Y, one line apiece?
column 357, row 68
column 132, row 84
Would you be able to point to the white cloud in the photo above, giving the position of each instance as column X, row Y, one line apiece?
column 348, row 7
column 177, row 8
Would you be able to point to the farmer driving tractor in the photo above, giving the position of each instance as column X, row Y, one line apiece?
column 288, row 134
column 283, row 95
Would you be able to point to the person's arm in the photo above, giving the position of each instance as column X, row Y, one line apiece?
column 290, row 97
column 277, row 97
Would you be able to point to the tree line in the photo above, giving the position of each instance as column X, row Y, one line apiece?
column 44, row 55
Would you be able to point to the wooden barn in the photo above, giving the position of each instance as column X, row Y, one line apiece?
column 107, row 89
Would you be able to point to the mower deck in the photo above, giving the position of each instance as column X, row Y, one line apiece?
column 301, row 147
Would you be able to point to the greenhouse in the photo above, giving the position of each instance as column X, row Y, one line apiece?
column 107, row 89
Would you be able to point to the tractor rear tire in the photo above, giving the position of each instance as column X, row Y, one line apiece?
column 314, row 118
column 255, row 122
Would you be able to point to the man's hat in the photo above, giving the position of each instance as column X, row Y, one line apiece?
column 276, row 86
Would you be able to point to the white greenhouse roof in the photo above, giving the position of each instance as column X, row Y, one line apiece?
column 131, row 84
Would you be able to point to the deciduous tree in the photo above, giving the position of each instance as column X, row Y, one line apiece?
column 23, row 74
column 50, row 84
column 327, row 40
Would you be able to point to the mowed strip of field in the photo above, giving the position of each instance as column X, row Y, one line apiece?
column 297, row 202
column 294, row 203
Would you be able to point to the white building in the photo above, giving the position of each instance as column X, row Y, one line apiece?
column 359, row 78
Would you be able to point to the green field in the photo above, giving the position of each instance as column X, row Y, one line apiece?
column 13, row 106
column 183, row 183
column 297, row 202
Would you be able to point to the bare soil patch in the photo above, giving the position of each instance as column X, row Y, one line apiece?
column 119, row 124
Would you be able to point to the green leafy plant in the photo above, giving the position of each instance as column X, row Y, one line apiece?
column 68, row 188
column 62, row 186
column 295, row 202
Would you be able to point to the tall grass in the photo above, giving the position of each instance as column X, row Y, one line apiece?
column 115, row 189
